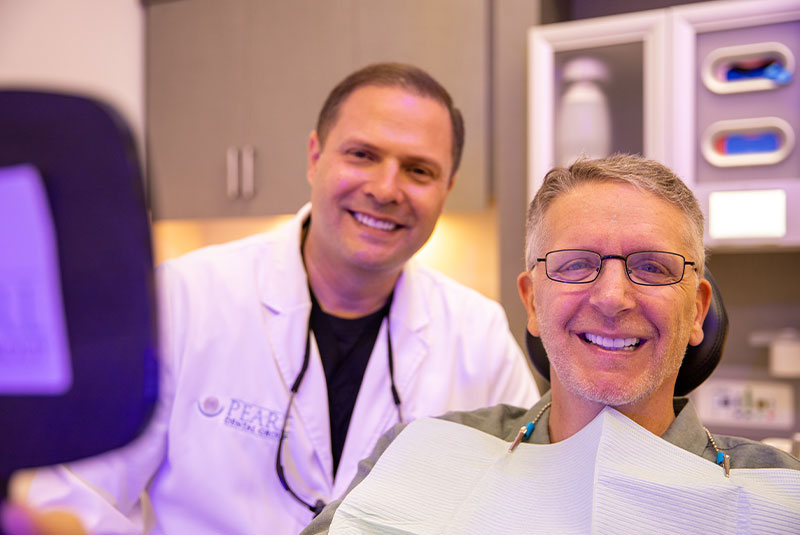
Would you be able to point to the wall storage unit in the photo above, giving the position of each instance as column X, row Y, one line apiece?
column 714, row 94
column 737, row 118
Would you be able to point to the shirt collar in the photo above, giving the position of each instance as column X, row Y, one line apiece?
column 686, row 431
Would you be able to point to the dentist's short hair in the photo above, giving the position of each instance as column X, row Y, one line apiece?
column 401, row 75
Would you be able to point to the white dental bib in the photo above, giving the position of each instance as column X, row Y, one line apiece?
column 611, row 477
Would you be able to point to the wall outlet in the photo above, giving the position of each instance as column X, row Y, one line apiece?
column 760, row 404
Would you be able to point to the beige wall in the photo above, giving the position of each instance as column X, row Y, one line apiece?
column 464, row 246
column 91, row 47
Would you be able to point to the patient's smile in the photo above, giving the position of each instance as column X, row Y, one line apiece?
column 613, row 344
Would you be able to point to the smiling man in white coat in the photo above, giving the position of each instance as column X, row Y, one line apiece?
column 287, row 355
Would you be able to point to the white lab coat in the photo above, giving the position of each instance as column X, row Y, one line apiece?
column 234, row 320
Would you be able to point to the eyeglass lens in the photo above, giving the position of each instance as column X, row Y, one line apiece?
column 650, row 268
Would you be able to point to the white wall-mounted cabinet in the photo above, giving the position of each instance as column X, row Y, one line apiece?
column 713, row 92
column 735, row 123
column 631, row 47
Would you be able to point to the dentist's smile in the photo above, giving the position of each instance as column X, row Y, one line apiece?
column 372, row 222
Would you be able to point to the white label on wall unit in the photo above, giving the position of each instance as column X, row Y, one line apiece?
column 747, row 214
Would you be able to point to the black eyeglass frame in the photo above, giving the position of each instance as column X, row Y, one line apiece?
column 618, row 257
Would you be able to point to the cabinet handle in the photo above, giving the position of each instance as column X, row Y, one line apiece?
column 248, row 171
column 232, row 173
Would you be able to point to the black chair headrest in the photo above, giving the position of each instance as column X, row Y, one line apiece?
column 699, row 361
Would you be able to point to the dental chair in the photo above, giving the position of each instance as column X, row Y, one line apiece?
column 699, row 361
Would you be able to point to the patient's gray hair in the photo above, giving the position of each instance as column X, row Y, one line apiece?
column 646, row 175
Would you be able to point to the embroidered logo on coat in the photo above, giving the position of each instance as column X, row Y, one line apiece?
column 210, row 406
column 253, row 419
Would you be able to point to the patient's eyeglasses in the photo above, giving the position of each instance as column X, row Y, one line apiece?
column 647, row 268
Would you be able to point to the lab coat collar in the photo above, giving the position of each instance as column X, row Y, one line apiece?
column 374, row 412
column 409, row 306
column 284, row 293
column 282, row 290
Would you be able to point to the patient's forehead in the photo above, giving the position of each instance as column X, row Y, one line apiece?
column 614, row 215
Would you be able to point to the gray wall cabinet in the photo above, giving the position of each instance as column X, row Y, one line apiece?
column 234, row 88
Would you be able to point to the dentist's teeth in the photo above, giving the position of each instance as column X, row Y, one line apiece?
column 372, row 222
column 625, row 344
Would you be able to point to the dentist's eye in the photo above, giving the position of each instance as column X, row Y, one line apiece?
column 421, row 171
column 360, row 154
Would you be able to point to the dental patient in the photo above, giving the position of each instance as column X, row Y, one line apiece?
column 614, row 288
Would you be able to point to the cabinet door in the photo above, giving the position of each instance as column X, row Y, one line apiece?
column 297, row 52
column 450, row 40
column 195, row 58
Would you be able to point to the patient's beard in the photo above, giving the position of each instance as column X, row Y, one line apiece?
column 620, row 390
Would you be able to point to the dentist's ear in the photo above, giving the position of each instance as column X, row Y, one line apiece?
column 525, row 287
column 452, row 182
column 314, row 150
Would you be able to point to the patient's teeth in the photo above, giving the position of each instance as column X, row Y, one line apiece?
column 625, row 344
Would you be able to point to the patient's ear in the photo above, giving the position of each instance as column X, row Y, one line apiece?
column 702, row 302
column 525, row 287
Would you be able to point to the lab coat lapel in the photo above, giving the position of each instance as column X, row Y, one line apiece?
column 287, row 306
column 410, row 318
column 375, row 412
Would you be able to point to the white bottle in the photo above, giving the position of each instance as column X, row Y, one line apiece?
column 583, row 123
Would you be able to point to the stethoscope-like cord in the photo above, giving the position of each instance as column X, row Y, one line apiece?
column 317, row 507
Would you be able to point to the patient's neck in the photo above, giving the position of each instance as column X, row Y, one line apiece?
column 570, row 412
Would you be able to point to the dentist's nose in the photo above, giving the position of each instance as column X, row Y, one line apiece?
column 385, row 183
column 612, row 292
